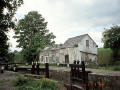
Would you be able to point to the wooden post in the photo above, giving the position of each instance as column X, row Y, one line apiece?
column 71, row 79
column 2, row 69
column 74, row 62
column 33, row 69
column 47, row 70
column 83, row 71
column 6, row 66
column 37, row 68
column 14, row 68
column 78, row 62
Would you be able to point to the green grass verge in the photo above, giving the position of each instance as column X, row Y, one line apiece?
column 112, row 68
column 24, row 83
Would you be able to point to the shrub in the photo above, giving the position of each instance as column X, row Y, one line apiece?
column 48, row 84
column 21, row 80
column 105, row 56
column 32, row 84
column 18, row 57
column 117, row 63
column 116, row 68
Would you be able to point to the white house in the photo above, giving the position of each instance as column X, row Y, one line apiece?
column 80, row 48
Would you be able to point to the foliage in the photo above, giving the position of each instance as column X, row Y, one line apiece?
column 32, row 33
column 92, row 66
column 21, row 81
column 116, row 68
column 111, row 37
column 117, row 63
column 6, row 23
column 18, row 57
column 10, row 56
column 32, row 84
column 105, row 56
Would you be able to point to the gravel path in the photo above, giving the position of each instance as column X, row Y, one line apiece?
column 6, row 81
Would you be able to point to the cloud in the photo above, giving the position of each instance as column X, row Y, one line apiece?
column 68, row 18
column 12, row 42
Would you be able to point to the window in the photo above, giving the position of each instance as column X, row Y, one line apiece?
column 87, row 43
column 53, row 58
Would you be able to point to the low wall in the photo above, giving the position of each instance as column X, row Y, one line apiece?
column 60, row 75
column 110, row 82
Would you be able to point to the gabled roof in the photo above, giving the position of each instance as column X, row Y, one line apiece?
column 74, row 40
column 70, row 43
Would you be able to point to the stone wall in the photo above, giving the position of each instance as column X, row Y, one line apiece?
column 60, row 75
column 110, row 82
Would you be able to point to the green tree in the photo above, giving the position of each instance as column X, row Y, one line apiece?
column 111, row 39
column 31, row 34
column 6, row 23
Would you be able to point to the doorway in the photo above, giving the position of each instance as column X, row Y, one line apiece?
column 66, row 58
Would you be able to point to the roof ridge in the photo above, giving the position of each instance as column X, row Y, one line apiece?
column 78, row 36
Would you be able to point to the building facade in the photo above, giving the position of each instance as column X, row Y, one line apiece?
column 79, row 48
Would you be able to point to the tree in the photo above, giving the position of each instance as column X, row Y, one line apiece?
column 31, row 34
column 111, row 39
column 6, row 24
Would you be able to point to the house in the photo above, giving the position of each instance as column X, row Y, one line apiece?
column 80, row 48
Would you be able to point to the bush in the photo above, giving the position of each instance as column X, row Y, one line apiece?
column 92, row 66
column 117, row 63
column 21, row 81
column 18, row 57
column 116, row 68
column 32, row 84
column 48, row 84
column 105, row 56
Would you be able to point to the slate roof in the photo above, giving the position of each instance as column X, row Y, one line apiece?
column 73, row 41
column 70, row 43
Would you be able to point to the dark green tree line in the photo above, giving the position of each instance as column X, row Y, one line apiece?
column 111, row 39
column 6, row 23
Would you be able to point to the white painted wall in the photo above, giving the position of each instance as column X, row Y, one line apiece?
column 92, row 45
column 73, row 52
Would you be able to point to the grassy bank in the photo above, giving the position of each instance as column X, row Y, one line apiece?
column 24, row 83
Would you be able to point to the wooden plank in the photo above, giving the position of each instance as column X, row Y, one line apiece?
column 76, row 65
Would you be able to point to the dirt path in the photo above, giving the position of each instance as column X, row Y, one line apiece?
column 6, row 81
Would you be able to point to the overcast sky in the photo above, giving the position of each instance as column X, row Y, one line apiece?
column 69, row 18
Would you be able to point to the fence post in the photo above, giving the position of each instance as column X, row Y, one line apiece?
column 47, row 70
column 83, row 71
column 15, row 68
column 74, row 62
column 6, row 66
column 2, row 69
column 33, row 68
column 37, row 68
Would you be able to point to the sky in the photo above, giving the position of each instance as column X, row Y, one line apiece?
column 70, row 18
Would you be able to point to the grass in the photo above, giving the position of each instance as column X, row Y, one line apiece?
column 112, row 68
column 2, row 88
column 15, row 74
column 24, row 83
column 105, row 56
